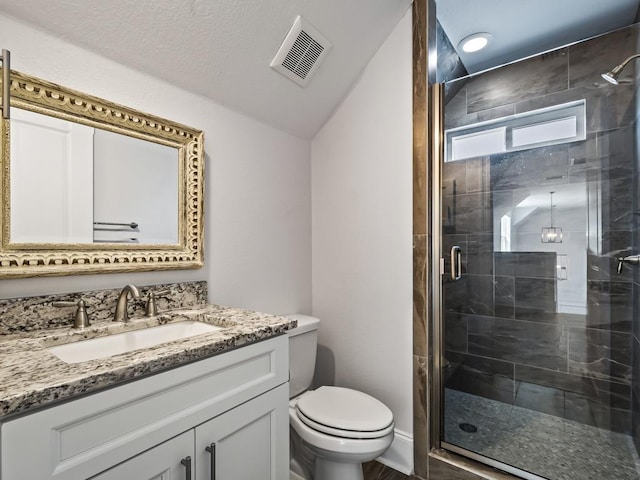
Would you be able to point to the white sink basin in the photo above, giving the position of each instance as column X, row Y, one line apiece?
column 102, row 347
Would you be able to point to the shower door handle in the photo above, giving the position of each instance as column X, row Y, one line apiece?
column 456, row 263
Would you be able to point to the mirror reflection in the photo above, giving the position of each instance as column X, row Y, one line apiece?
column 73, row 183
column 547, row 224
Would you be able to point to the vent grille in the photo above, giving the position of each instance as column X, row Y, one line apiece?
column 301, row 52
column 303, row 55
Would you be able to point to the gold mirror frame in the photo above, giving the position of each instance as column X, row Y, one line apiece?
column 39, row 259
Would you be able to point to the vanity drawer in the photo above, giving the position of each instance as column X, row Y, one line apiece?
column 83, row 437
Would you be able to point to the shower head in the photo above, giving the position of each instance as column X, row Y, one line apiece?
column 613, row 75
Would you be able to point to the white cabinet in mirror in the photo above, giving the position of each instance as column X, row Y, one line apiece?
column 88, row 185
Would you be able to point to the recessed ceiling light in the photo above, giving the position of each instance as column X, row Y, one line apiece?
column 474, row 42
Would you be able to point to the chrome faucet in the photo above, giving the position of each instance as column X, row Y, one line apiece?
column 121, row 314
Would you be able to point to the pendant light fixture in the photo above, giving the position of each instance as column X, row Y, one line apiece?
column 551, row 234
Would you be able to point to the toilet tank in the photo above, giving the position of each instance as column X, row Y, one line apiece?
column 303, row 344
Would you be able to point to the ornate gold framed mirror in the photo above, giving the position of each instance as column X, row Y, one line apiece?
column 89, row 186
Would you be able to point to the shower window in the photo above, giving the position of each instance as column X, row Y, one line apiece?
column 537, row 128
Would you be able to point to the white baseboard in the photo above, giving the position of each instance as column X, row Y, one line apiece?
column 399, row 455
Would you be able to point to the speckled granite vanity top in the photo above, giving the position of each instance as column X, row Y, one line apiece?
column 31, row 376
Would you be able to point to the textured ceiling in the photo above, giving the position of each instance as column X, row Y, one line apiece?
column 521, row 28
column 222, row 49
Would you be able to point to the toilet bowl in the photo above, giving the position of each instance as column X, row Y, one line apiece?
column 338, row 428
column 340, row 442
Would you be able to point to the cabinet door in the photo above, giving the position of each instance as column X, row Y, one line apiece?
column 163, row 462
column 249, row 442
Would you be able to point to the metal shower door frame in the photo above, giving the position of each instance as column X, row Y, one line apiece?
column 439, row 448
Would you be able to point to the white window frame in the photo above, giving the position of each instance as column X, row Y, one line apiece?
column 572, row 116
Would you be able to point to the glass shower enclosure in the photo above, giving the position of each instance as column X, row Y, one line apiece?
column 540, row 368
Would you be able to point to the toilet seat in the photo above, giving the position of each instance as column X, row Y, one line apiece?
column 345, row 413
column 343, row 433
column 362, row 449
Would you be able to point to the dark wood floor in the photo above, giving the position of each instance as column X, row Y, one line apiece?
column 377, row 471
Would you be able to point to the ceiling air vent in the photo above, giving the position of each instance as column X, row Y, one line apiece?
column 301, row 53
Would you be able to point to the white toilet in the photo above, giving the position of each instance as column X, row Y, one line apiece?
column 333, row 429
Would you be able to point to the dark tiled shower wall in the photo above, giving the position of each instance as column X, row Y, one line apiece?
column 449, row 63
column 635, row 390
column 505, row 339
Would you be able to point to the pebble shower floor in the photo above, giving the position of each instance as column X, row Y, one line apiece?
column 548, row 446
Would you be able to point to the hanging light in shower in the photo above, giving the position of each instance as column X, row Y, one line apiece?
column 551, row 234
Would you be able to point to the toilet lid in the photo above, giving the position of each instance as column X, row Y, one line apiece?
column 345, row 412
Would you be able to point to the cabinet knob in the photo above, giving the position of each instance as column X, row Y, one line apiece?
column 187, row 465
column 212, row 450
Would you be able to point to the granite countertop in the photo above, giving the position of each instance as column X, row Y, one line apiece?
column 31, row 376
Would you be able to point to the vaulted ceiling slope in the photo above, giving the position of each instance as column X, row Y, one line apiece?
column 222, row 49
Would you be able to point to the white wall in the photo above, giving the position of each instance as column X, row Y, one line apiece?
column 136, row 181
column 361, row 163
column 257, row 217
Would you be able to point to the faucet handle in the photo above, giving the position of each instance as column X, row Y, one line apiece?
column 80, row 319
column 630, row 259
column 151, row 308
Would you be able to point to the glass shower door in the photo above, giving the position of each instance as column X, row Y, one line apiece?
column 539, row 203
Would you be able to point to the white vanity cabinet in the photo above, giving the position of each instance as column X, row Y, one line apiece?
column 162, row 462
column 241, row 444
column 236, row 402
column 236, row 445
